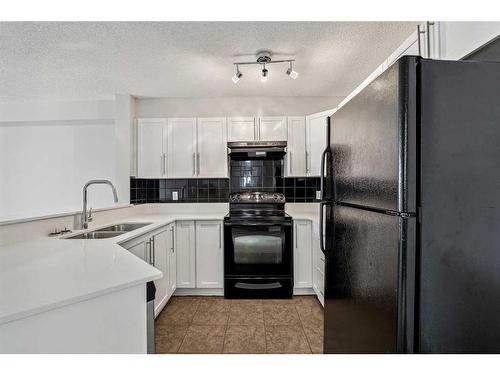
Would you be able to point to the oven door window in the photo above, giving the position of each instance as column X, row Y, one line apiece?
column 256, row 250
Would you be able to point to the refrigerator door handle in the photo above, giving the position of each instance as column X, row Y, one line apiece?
column 321, row 227
column 322, row 175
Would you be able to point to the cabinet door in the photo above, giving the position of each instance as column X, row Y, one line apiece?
column 181, row 149
column 138, row 249
column 160, row 249
column 172, row 260
column 316, row 142
column 272, row 128
column 296, row 146
column 212, row 147
column 241, row 129
column 209, row 259
column 150, row 148
column 302, row 254
column 185, row 246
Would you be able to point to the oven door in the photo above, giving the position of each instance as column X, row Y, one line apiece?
column 258, row 249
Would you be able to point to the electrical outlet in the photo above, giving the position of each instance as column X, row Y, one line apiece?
column 175, row 195
column 318, row 194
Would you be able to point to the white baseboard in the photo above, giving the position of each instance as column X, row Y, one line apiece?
column 198, row 292
column 303, row 291
column 220, row 292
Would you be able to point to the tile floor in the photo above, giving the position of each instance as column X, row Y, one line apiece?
column 218, row 325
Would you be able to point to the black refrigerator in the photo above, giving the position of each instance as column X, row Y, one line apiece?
column 411, row 212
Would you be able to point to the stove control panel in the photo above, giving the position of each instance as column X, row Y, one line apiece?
column 257, row 197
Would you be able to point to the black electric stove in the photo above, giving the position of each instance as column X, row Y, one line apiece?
column 258, row 250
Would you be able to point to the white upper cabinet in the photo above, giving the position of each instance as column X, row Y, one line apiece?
column 315, row 141
column 459, row 39
column 211, row 158
column 296, row 146
column 151, row 151
column 241, row 129
column 272, row 128
column 186, row 254
column 302, row 254
column 209, row 254
column 181, row 154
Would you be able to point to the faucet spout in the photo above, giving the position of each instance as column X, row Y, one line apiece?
column 86, row 218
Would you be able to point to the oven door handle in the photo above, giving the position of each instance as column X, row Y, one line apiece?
column 275, row 285
column 260, row 223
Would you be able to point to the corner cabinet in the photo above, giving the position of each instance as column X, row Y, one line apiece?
column 158, row 249
column 209, row 254
column 302, row 254
column 315, row 141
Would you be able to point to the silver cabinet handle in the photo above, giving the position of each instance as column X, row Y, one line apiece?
column 295, row 229
column 220, row 239
column 429, row 24
column 172, row 247
column 164, row 156
column 194, row 163
column 254, row 135
column 199, row 163
column 147, row 256
column 307, row 162
column 153, row 251
column 290, row 160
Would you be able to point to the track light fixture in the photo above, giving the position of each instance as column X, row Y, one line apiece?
column 237, row 75
column 292, row 73
column 263, row 77
column 263, row 58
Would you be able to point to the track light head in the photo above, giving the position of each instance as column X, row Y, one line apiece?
column 237, row 75
column 263, row 77
column 292, row 73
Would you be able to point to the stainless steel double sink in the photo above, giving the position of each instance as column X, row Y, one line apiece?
column 110, row 231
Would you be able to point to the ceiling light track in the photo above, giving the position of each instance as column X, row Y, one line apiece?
column 263, row 59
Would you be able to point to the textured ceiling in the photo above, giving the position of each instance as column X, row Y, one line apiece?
column 95, row 60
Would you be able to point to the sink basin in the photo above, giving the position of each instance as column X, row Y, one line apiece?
column 123, row 227
column 95, row 235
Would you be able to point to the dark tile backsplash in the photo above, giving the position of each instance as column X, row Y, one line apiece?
column 296, row 189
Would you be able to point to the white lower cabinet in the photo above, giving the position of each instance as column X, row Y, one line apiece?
column 209, row 254
column 302, row 255
column 318, row 268
column 186, row 254
column 158, row 249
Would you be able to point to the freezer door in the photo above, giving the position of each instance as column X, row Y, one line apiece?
column 373, row 139
column 369, row 284
column 460, row 257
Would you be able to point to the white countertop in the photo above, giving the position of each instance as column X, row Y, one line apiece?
column 46, row 273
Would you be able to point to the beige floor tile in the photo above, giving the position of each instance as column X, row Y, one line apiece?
column 245, row 339
column 314, row 334
column 280, row 314
column 286, row 340
column 177, row 314
column 246, row 312
column 203, row 339
column 169, row 338
column 310, row 314
column 212, row 311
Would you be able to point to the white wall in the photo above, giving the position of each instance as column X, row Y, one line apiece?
column 49, row 150
column 233, row 106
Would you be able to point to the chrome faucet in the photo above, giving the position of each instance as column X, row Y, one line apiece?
column 87, row 218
